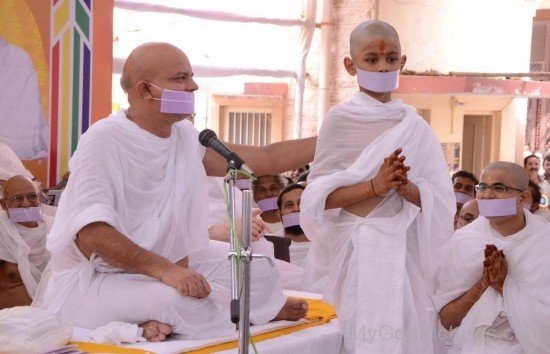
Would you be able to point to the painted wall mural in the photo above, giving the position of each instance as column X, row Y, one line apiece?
column 55, row 78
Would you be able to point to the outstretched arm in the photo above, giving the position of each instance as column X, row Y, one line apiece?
column 265, row 160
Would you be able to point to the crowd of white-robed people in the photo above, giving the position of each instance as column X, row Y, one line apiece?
column 414, row 260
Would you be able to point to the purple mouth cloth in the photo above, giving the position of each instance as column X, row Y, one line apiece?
column 268, row 204
column 462, row 198
column 497, row 207
column 25, row 214
column 243, row 184
column 291, row 219
column 177, row 102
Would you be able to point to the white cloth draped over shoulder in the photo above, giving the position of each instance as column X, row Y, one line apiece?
column 26, row 247
column 519, row 321
column 151, row 189
column 382, row 265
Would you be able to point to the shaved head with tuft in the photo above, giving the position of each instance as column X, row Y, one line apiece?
column 368, row 31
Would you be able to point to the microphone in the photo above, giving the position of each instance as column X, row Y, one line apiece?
column 208, row 138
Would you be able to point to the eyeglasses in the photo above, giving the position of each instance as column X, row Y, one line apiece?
column 497, row 188
column 31, row 197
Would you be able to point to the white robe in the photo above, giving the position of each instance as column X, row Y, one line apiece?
column 26, row 247
column 382, row 266
column 154, row 191
column 22, row 120
column 317, row 264
column 519, row 322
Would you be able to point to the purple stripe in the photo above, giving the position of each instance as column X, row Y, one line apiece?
column 86, row 90
column 88, row 3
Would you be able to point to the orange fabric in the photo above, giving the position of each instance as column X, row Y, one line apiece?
column 319, row 313
column 107, row 349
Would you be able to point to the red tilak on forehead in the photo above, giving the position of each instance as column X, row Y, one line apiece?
column 382, row 48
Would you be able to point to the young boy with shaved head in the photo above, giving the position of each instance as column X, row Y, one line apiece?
column 493, row 287
column 384, row 221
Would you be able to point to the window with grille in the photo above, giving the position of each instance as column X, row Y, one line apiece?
column 248, row 128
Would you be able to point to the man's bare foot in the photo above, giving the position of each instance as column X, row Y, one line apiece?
column 155, row 331
column 293, row 310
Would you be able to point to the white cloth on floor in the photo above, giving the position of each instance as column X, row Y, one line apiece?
column 22, row 120
column 26, row 247
column 379, row 282
column 117, row 332
column 25, row 329
column 154, row 191
column 519, row 322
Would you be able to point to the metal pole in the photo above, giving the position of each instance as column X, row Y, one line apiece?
column 234, row 305
column 244, row 326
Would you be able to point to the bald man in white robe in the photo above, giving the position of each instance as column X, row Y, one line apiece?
column 134, row 215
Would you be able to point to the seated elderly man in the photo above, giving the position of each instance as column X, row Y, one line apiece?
column 23, row 230
column 468, row 213
column 494, row 282
column 135, row 212
column 289, row 212
column 266, row 189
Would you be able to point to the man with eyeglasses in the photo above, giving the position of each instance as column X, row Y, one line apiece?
column 494, row 283
column 23, row 231
column 464, row 183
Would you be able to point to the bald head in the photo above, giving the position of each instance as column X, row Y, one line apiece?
column 149, row 60
column 368, row 31
column 468, row 213
column 514, row 172
column 17, row 184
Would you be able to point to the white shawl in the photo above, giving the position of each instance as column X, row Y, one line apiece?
column 355, row 138
column 526, row 301
column 151, row 189
column 25, row 247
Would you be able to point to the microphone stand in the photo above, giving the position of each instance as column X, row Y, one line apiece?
column 241, row 261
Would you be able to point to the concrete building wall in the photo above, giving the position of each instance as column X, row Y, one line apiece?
column 463, row 35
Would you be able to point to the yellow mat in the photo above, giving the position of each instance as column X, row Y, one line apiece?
column 319, row 313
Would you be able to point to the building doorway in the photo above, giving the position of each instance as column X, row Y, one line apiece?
column 476, row 142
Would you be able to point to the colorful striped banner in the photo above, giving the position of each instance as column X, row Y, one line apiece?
column 70, row 73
